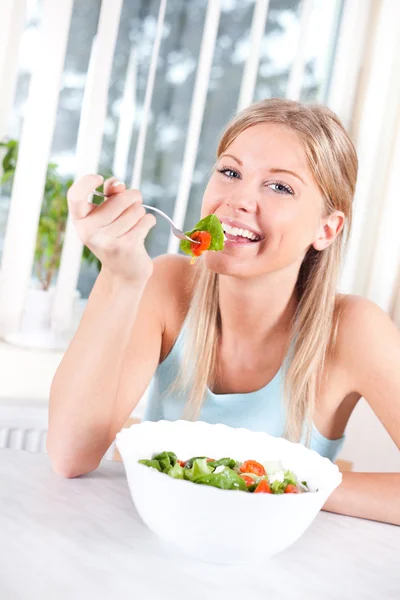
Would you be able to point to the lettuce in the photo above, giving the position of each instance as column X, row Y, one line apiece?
column 278, row 487
column 211, row 224
column 166, row 460
column 189, row 463
column 199, row 468
column 176, row 472
column 290, row 478
column 226, row 480
column 226, row 462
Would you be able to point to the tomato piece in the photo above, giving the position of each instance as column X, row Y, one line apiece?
column 182, row 463
column 263, row 487
column 291, row 489
column 210, row 459
column 249, row 480
column 204, row 237
column 252, row 466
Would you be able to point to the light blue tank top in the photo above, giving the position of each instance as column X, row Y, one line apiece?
column 262, row 410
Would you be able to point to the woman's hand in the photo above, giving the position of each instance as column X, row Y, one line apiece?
column 114, row 231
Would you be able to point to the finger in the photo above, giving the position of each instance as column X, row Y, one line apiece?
column 142, row 227
column 113, row 186
column 125, row 221
column 110, row 211
column 79, row 193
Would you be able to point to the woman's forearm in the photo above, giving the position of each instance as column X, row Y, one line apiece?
column 374, row 496
column 84, row 389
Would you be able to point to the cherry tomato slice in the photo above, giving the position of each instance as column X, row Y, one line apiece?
column 204, row 237
column 182, row 463
column 291, row 489
column 252, row 466
column 263, row 487
column 249, row 480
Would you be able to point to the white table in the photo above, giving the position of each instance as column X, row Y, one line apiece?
column 82, row 539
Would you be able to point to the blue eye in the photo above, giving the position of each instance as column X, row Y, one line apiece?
column 229, row 173
column 281, row 188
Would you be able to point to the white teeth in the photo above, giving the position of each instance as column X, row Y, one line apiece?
column 240, row 232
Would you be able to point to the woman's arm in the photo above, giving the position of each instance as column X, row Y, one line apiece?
column 374, row 496
column 369, row 346
column 93, row 390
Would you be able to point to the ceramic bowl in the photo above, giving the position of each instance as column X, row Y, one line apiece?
column 223, row 526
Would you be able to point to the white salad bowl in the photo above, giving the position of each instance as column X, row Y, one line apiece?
column 224, row 526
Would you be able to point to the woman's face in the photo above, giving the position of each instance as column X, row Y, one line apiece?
column 263, row 184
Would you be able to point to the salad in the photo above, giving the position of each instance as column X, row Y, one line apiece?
column 209, row 233
column 228, row 474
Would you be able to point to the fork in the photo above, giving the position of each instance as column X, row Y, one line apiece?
column 175, row 230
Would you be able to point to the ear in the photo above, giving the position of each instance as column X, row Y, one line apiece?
column 328, row 230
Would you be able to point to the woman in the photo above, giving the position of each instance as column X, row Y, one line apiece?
column 230, row 330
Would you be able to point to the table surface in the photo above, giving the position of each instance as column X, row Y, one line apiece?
column 82, row 538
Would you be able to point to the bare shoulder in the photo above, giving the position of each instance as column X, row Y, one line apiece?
column 358, row 315
column 368, row 351
column 367, row 339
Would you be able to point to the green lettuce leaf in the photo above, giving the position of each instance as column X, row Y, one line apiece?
column 211, row 224
column 226, row 480
column 166, row 460
column 189, row 463
column 176, row 472
column 290, row 478
column 200, row 467
column 278, row 487
column 226, row 462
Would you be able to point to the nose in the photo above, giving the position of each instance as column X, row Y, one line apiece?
column 243, row 201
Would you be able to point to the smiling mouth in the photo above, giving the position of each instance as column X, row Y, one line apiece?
column 240, row 236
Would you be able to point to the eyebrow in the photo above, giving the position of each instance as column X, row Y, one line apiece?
column 273, row 170
column 278, row 170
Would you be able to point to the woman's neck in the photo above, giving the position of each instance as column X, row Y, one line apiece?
column 256, row 309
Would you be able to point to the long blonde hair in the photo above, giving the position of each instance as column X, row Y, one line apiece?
column 333, row 162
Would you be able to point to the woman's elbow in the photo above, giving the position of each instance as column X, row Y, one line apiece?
column 70, row 466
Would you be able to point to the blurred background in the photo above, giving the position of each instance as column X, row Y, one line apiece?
column 142, row 89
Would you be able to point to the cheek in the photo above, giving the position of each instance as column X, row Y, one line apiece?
column 210, row 200
column 295, row 220
column 290, row 230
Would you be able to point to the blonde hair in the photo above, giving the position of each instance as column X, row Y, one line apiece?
column 333, row 162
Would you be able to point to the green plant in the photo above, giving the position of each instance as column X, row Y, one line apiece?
column 53, row 216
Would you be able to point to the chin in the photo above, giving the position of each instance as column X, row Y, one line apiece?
column 223, row 264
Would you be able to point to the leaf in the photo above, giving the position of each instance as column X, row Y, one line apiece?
column 278, row 487
column 226, row 462
column 212, row 224
column 166, row 460
column 290, row 478
column 176, row 472
column 225, row 480
column 189, row 463
column 6, row 177
column 199, row 468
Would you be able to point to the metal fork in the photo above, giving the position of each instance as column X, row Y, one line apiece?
column 175, row 230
